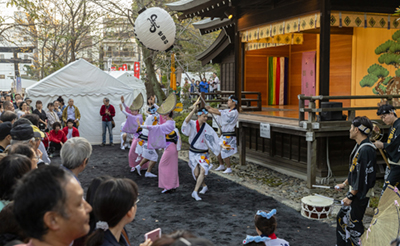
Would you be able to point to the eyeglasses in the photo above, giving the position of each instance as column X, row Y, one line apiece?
column 384, row 116
column 37, row 158
column 137, row 200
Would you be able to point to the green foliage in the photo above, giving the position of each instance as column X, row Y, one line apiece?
column 369, row 80
column 397, row 72
column 383, row 88
column 383, row 48
column 179, row 119
column 387, row 79
column 378, row 71
column 389, row 59
column 394, row 48
column 164, row 79
column 214, row 104
column 396, row 35
column 374, row 91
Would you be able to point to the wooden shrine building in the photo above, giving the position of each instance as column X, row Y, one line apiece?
column 345, row 51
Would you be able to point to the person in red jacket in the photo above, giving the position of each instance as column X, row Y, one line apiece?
column 70, row 131
column 107, row 113
column 57, row 138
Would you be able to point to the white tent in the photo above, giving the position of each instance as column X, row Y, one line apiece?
column 87, row 85
column 130, row 80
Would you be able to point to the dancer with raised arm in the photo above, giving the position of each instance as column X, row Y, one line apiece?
column 166, row 136
column 227, row 119
column 148, row 155
column 132, row 127
column 201, row 138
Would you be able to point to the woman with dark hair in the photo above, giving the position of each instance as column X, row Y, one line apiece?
column 23, row 109
column 52, row 116
column 10, row 231
column 227, row 120
column 115, row 205
column 265, row 223
column 12, row 168
column 166, row 136
column 42, row 115
column 57, row 138
column 25, row 150
column 94, row 185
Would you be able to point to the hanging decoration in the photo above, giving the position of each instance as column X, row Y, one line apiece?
column 155, row 29
column 172, row 78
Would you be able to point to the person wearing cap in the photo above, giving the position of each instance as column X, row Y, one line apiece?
column 361, row 179
column 201, row 138
column 5, row 137
column 391, row 147
column 71, row 112
column 227, row 120
column 25, row 133
column 34, row 119
column 28, row 103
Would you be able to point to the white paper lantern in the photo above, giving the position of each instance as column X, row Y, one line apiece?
column 155, row 29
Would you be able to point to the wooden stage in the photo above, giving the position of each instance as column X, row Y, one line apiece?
column 293, row 146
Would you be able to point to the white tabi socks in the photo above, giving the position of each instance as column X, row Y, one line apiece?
column 204, row 190
column 138, row 170
column 220, row 168
column 196, row 196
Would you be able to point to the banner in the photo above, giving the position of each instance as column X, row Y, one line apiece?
column 136, row 69
column 19, row 85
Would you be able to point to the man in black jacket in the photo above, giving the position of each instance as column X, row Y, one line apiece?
column 392, row 146
column 361, row 178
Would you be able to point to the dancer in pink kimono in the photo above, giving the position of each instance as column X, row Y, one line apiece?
column 131, row 127
column 166, row 136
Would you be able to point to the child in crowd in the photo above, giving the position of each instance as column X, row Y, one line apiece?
column 70, row 131
column 265, row 224
column 57, row 138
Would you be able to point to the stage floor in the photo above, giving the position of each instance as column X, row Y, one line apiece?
column 286, row 111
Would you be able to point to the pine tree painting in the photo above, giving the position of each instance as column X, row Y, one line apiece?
column 378, row 77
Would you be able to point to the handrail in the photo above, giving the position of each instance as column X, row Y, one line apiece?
column 321, row 97
column 312, row 108
column 223, row 99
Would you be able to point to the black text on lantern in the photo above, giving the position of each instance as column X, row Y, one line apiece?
column 152, row 20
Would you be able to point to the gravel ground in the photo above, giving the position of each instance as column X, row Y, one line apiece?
column 224, row 216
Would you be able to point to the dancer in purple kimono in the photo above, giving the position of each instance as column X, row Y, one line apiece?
column 132, row 127
column 166, row 136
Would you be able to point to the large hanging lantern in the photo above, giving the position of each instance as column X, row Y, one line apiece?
column 155, row 29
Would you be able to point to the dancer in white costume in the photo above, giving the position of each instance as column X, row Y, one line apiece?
column 227, row 119
column 201, row 138
column 141, row 148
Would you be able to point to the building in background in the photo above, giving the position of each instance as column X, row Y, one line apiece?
column 119, row 46
column 16, row 50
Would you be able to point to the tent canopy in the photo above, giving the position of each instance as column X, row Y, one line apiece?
column 87, row 85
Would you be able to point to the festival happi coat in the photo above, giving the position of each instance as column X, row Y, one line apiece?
column 141, row 147
column 207, row 139
column 227, row 120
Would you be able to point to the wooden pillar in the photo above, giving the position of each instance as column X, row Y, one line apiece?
column 238, row 62
column 324, row 47
column 311, row 162
column 242, row 144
